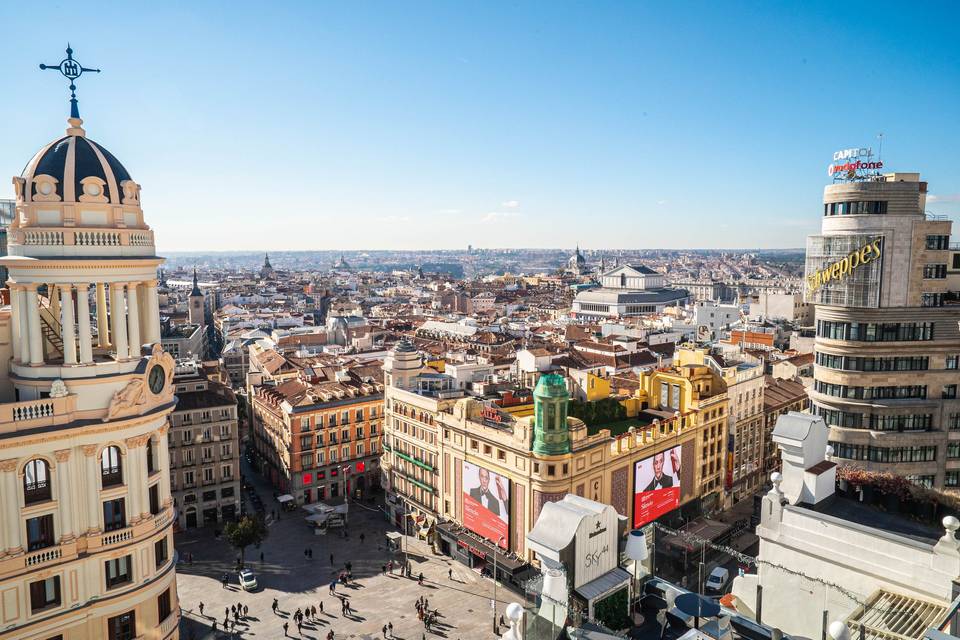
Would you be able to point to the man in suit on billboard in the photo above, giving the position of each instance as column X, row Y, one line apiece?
column 484, row 496
column 662, row 480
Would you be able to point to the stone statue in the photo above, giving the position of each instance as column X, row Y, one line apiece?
column 58, row 389
column 131, row 395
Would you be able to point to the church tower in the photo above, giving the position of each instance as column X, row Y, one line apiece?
column 195, row 312
column 551, row 436
column 86, row 538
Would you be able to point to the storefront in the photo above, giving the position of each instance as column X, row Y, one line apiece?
column 479, row 554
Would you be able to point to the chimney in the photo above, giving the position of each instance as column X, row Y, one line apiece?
column 808, row 476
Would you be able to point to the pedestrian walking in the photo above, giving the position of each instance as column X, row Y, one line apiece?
column 420, row 578
column 383, row 569
column 313, row 611
column 276, row 604
column 286, row 625
column 390, row 628
column 321, row 606
column 300, row 628
column 246, row 609
column 384, row 631
column 201, row 608
column 330, row 635
column 450, row 573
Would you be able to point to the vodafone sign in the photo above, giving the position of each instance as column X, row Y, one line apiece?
column 849, row 163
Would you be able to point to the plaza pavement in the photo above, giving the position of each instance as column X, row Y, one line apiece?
column 463, row 602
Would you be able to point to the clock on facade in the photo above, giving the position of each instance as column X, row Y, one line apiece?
column 157, row 379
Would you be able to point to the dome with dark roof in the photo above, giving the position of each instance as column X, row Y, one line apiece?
column 74, row 166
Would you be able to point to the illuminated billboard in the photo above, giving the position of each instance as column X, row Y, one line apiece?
column 844, row 270
column 486, row 504
column 657, row 486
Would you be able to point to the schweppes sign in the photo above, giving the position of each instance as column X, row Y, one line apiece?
column 842, row 268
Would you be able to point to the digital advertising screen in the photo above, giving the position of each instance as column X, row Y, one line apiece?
column 656, row 488
column 486, row 504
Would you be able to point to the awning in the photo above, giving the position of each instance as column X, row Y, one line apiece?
column 285, row 498
column 607, row 583
column 487, row 551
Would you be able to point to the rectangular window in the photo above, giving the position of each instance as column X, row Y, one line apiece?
column 938, row 243
column 934, row 271
column 305, row 423
column 226, row 472
column 332, row 420
column 208, row 475
column 122, row 627
column 359, row 413
column 359, row 432
column 949, row 391
column 359, row 449
column 154, row 493
column 345, row 417
column 953, row 361
column 160, row 552
column 114, row 515
column 117, row 571
column 163, row 605
column 44, row 594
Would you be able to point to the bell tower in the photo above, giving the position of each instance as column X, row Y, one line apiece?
column 195, row 312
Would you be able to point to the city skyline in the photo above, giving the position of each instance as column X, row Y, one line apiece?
column 399, row 129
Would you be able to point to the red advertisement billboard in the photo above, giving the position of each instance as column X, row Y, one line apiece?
column 656, row 488
column 486, row 504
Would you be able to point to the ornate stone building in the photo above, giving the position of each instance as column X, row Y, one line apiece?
column 86, row 545
column 472, row 476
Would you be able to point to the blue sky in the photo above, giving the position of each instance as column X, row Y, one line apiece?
column 254, row 125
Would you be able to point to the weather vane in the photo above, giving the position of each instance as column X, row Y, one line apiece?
column 71, row 70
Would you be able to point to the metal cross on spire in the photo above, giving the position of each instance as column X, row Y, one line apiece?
column 71, row 70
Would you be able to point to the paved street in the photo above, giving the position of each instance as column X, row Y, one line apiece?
column 376, row 599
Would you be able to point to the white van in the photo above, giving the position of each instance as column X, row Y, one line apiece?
column 717, row 580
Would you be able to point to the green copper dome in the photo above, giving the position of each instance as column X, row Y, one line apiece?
column 550, row 433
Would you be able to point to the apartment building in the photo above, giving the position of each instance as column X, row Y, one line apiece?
column 204, row 449
column 318, row 437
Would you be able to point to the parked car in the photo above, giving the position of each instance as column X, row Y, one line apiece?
column 717, row 580
column 248, row 581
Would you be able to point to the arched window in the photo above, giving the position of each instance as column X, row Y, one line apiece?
column 36, row 481
column 110, row 470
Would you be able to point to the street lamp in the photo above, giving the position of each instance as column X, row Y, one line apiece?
column 636, row 550
column 496, row 627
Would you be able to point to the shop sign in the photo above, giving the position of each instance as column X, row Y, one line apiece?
column 491, row 414
column 472, row 549
column 841, row 269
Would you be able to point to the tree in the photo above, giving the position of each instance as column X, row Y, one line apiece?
column 247, row 531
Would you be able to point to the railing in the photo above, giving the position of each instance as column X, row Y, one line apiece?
column 47, row 238
column 163, row 518
column 170, row 623
column 33, row 410
column 96, row 238
column 43, row 556
column 116, row 537
column 29, row 414
column 85, row 237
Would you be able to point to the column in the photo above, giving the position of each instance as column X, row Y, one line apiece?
column 15, row 335
column 24, row 327
column 69, row 332
column 11, row 526
column 133, row 320
column 92, row 473
column 134, row 472
column 163, row 463
column 65, row 494
column 36, row 337
column 83, row 313
column 118, row 320
column 103, row 331
column 152, row 319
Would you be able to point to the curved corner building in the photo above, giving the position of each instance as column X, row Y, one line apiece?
column 86, row 542
column 888, row 340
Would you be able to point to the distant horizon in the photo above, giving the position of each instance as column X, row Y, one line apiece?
column 265, row 128
column 463, row 250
